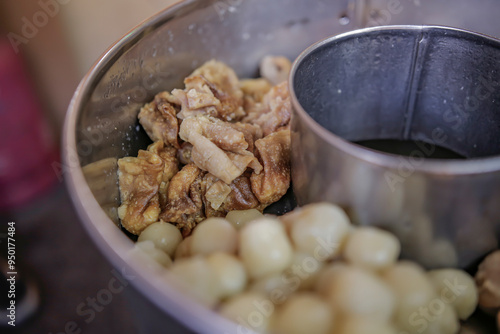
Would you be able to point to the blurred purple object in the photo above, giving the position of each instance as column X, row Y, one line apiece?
column 27, row 147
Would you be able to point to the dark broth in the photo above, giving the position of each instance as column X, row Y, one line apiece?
column 407, row 147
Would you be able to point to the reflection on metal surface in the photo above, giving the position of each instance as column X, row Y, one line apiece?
column 102, row 179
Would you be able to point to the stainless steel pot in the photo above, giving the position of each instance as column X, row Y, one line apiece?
column 101, row 123
column 438, row 86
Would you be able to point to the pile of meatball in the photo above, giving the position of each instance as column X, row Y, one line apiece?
column 310, row 271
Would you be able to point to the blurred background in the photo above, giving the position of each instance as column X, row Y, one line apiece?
column 46, row 47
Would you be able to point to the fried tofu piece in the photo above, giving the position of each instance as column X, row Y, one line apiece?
column 275, row 69
column 212, row 89
column 184, row 153
column 139, row 181
column 488, row 282
column 274, row 112
column 217, row 194
column 184, row 206
column 251, row 133
column 220, row 198
column 197, row 99
column 159, row 119
column 171, row 166
column 274, row 154
column 241, row 196
column 231, row 136
column 218, row 147
column 254, row 91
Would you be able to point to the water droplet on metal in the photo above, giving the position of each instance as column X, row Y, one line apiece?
column 344, row 20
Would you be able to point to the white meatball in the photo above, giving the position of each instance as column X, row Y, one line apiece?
column 413, row 290
column 444, row 319
column 305, row 268
column 265, row 248
column 304, row 313
column 250, row 309
column 276, row 287
column 360, row 325
column 326, row 276
column 318, row 229
column 359, row 292
column 240, row 218
column 198, row 279
column 457, row 288
column 416, row 235
column 165, row 236
column 214, row 235
column 371, row 248
column 184, row 248
column 156, row 254
column 302, row 274
column 438, row 253
column 230, row 273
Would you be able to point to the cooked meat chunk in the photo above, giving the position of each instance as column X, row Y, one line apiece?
column 184, row 199
column 274, row 112
column 274, row 154
column 231, row 136
column 488, row 282
column 215, row 193
column 213, row 196
column 251, row 133
column 139, row 180
column 222, row 134
column 169, row 156
column 255, row 89
column 220, row 198
column 218, row 148
column 184, row 153
column 159, row 119
column 275, row 69
column 198, row 99
column 212, row 89
column 241, row 196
